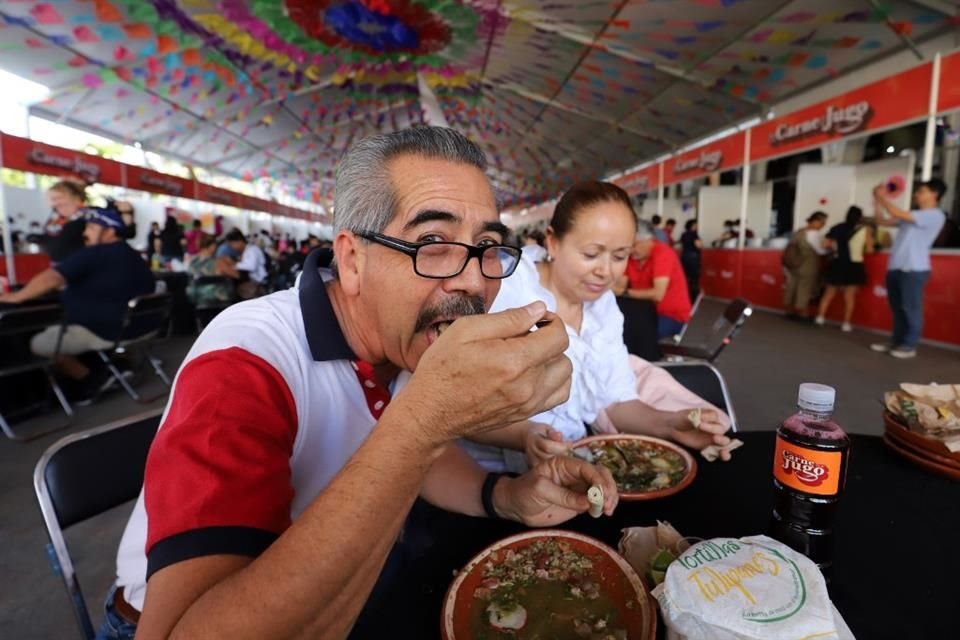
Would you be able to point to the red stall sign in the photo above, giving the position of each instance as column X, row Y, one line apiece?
column 156, row 182
column 948, row 98
column 715, row 156
column 640, row 181
column 880, row 105
column 210, row 193
column 36, row 157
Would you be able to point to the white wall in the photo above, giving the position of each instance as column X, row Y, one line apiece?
column 723, row 203
column 25, row 206
column 680, row 209
column 845, row 185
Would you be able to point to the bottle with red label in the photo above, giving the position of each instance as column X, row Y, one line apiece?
column 809, row 470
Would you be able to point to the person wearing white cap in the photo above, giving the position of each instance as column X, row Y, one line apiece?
column 95, row 284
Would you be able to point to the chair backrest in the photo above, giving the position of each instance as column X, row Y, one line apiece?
column 725, row 327
column 146, row 314
column 703, row 379
column 30, row 319
column 85, row 474
column 677, row 339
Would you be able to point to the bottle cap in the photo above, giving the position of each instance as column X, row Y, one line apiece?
column 818, row 398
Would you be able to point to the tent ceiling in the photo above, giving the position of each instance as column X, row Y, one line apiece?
column 553, row 91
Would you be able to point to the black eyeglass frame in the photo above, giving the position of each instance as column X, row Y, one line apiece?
column 412, row 248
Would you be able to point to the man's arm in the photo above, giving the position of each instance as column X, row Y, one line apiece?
column 44, row 282
column 656, row 294
column 892, row 209
column 313, row 579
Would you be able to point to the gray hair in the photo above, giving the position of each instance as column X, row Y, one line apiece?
column 644, row 230
column 364, row 198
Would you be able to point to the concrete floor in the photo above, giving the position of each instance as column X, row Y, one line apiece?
column 763, row 367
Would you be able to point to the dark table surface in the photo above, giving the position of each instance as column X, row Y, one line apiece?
column 896, row 544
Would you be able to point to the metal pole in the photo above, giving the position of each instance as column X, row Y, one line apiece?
column 930, row 141
column 744, row 191
column 8, row 247
column 660, row 188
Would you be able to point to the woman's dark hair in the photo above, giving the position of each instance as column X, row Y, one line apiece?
column 670, row 222
column 816, row 215
column 656, row 220
column 171, row 225
column 71, row 188
column 854, row 215
column 235, row 235
column 583, row 195
column 689, row 225
column 197, row 224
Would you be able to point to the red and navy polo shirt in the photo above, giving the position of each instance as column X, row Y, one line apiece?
column 267, row 407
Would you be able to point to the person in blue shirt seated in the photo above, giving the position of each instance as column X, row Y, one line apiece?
column 96, row 283
column 909, row 266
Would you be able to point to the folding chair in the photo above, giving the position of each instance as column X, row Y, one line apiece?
column 17, row 325
column 83, row 475
column 148, row 314
column 721, row 334
column 678, row 338
column 205, row 312
column 706, row 381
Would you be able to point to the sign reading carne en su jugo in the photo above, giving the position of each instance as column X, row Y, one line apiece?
column 834, row 121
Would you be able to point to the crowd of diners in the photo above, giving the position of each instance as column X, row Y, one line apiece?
column 96, row 269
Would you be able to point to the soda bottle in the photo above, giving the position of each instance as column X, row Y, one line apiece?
column 809, row 471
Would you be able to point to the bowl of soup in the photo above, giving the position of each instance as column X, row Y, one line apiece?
column 643, row 467
column 548, row 584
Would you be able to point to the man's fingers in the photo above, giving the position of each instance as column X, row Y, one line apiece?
column 552, row 493
column 503, row 324
column 554, row 435
column 580, row 474
column 540, row 346
column 554, row 386
column 553, row 448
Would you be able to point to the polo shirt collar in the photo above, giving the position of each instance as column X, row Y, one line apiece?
column 324, row 335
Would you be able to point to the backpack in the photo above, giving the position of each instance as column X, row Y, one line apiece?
column 792, row 257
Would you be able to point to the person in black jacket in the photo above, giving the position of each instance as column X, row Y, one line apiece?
column 172, row 241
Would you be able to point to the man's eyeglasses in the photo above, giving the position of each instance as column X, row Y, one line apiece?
column 441, row 260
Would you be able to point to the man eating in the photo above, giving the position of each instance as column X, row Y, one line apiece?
column 284, row 466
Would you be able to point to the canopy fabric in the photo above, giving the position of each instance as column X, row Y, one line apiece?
column 554, row 91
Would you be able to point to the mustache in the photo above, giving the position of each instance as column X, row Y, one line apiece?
column 450, row 307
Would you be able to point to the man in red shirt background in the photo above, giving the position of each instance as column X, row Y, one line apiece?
column 654, row 273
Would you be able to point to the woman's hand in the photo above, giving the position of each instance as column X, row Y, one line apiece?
column 711, row 430
column 543, row 442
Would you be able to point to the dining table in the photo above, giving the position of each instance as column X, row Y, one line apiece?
column 896, row 551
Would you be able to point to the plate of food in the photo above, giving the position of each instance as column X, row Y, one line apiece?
column 548, row 584
column 643, row 467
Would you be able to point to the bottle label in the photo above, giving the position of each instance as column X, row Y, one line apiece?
column 807, row 470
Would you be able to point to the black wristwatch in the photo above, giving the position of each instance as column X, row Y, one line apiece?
column 486, row 493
